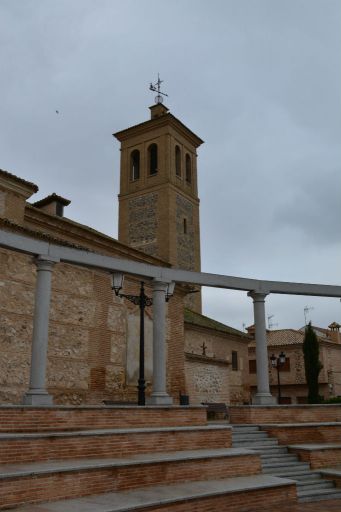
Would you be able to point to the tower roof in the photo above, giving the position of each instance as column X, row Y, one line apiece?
column 166, row 118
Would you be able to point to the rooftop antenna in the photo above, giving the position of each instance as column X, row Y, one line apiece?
column 156, row 88
column 271, row 324
column 306, row 311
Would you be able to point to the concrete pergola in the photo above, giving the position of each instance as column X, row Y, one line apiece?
column 47, row 255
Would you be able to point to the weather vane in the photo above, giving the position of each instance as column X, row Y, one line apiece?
column 156, row 88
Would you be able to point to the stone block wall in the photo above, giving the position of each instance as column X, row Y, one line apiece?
column 88, row 332
column 209, row 372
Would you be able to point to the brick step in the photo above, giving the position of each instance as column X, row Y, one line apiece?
column 314, row 484
column 271, row 450
column 44, row 481
column 27, row 447
column 269, row 460
column 18, row 418
column 319, row 495
column 248, row 436
column 226, row 495
column 263, row 443
column 245, row 428
column 305, row 477
column 284, row 465
column 289, row 472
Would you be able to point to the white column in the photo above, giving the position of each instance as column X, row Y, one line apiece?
column 263, row 395
column 37, row 394
column 159, row 395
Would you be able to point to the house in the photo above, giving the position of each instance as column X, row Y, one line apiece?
column 291, row 375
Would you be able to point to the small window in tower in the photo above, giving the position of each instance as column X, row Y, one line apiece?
column 185, row 226
column 177, row 161
column 152, row 158
column 188, row 169
column 234, row 360
column 135, row 165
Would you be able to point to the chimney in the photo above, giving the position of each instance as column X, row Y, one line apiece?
column 251, row 330
column 334, row 333
column 52, row 204
column 158, row 110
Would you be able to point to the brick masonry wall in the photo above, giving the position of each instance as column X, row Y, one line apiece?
column 285, row 414
column 72, row 484
column 12, row 205
column 304, row 433
column 175, row 347
column 236, row 502
column 52, row 447
column 42, row 419
column 323, row 458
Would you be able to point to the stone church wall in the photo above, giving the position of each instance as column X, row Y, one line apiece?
column 88, row 332
column 209, row 373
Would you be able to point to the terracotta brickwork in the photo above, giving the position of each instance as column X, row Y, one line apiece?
column 44, row 419
column 295, row 434
column 13, row 194
column 237, row 502
column 285, row 414
column 72, row 484
column 322, row 458
column 105, row 444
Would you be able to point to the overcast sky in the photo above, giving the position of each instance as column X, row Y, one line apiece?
column 258, row 80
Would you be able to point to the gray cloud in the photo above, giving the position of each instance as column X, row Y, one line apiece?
column 258, row 81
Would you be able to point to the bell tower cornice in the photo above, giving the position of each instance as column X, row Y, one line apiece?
column 166, row 119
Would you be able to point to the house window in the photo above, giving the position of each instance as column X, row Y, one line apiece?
column 234, row 360
column 252, row 366
column 152, row 159
column 135, row 165
column 185, row 226
column 177, row 161
column 188, row 169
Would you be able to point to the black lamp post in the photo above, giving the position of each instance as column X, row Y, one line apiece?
column 142, row 301
column 278, row 362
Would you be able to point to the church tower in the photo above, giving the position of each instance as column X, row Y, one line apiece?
column 158, row 200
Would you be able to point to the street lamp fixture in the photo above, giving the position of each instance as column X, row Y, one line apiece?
column 278, row 363
column 142, row 301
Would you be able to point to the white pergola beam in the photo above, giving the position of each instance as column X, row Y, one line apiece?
column 91, row 259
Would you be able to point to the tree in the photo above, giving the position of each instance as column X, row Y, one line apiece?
column 312, row 364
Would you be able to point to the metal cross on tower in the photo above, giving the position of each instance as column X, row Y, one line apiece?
column 156, row 88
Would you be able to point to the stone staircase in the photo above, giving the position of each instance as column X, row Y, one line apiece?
column 118, row 459
column 277, row 461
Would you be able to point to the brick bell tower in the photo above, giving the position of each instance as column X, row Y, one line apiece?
column 158, row 199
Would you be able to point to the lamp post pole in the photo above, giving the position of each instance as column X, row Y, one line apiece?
column 142, row 301
column 278, row 362
column 278, row 384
